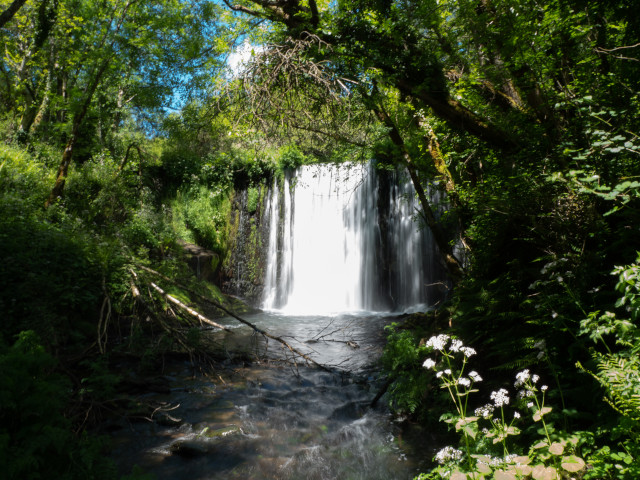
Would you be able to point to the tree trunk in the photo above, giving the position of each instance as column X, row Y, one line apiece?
column 63, row 170
column 11, row 11
column 67, row 155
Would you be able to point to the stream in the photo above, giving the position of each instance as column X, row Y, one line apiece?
column 276, row 418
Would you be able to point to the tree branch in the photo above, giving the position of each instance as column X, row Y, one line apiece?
column 238, row 318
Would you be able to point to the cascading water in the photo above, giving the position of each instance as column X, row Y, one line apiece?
column 343, row 239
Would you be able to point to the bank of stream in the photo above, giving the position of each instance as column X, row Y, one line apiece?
column 274, row 417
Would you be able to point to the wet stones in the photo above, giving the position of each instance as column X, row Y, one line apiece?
column 203, row 443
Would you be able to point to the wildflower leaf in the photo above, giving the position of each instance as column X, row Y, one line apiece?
column 540, row 444
column 483, row 468
column 523, row 470
column 465, row 421
column 556, row 448
column 482, row 458
column 540, row 413
column 502, row 475
column 540, row 472
column 512, row 431
column 537, row 472
column 572, row 463
column 470, row 431
column 522, row 460
column 458, row 476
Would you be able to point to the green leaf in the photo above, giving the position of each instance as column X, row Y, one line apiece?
column 556, row 448
column 572, row 463
column 502, row 475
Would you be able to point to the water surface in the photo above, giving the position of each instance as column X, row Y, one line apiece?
column 277, row 418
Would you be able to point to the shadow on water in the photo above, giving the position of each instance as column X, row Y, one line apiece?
column 276, row 420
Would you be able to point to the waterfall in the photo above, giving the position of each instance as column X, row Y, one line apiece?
column 343, row 239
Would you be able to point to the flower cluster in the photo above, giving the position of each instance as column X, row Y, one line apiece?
column 485, row 412
column 527, row 382
column 500, row 398
column 521, row 378
column 440, row 342
column 447, row 454
column 429, row 363
column 541, row 346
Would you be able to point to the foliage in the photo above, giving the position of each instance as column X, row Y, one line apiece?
column 199, row 216
column 617, row 371
column 401, row 360
column 488, row 448
column 35, row 437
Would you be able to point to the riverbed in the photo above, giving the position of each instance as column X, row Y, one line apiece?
column 275, row 417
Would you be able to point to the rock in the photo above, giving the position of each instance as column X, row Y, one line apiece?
column 203, row 262
column 190, row 447
column 220, row 432
column 205, row 442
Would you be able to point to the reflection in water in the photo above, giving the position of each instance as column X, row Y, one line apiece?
column 279, row 422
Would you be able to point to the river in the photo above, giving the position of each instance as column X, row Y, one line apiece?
column 275, row 418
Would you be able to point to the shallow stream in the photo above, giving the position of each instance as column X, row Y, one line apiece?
column 276, row 418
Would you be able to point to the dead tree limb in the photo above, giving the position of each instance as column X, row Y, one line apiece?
column 293, row 350
column 188, row 309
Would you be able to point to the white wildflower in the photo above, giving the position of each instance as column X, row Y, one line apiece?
column 521, row 378
column 447, row 371
column 484, row 412
column 447, row 454
column 429, row 363
column 544, row 388
column 474, row 376
column 465, row 382
column 456, row 345
column 530, row 405
column 540, row 354
column 516, row 414
column 438, row 342
column 540, row 345
column 439, row 374
column 535, row 378
column 500, row 398
column 468, row 351
column 526, row 393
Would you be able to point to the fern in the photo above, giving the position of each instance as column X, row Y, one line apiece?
column 620, row 378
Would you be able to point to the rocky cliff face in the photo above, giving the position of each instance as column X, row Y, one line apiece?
column 204, row 263
column 242, row 272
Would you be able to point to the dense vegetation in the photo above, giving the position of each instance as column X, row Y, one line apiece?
column 124, row 134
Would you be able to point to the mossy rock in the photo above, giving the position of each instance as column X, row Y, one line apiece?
column 220, row 432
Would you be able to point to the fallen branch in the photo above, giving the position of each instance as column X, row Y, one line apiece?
column 238, row 318
column 188, row 309
column 158, row 317
column 381, row 392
